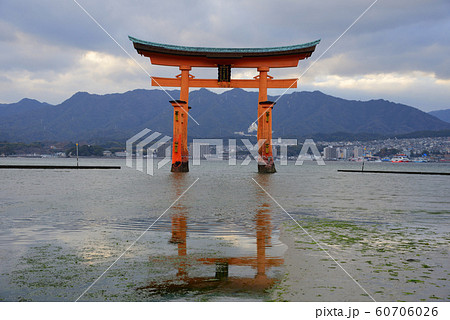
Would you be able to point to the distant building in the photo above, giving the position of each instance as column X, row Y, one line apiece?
column 342, row 153
column 204, row 150
column 329, row 153
column 358, row 152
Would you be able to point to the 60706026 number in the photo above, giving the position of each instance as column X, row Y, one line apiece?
column 411, row 311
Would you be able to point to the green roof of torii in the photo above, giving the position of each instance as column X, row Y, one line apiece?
column 231, row 52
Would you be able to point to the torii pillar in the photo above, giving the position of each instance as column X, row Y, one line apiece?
column 264, row 133
column 180, row 153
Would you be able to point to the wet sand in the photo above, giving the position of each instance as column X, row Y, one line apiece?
column 391, row 264
column 311, row 275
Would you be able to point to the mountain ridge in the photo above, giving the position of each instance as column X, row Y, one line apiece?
column 118, row 116
column 443, row 115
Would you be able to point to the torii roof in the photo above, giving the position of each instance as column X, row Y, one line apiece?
column 148, row 46
column 273, row 57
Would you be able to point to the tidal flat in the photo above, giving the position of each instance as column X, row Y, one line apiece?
column 123, row 236
column 390, row 263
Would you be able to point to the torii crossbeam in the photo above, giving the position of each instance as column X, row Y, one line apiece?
column 224, row 59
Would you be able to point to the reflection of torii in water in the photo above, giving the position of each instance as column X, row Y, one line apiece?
column 221, row 280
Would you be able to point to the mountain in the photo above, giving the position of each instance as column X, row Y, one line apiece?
column 24, row 105
column 318, row 112
column 92, row 118
column 444, row 115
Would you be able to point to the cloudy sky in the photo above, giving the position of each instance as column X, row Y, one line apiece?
column 399, row 50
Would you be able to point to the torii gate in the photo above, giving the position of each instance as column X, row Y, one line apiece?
column 185, row 58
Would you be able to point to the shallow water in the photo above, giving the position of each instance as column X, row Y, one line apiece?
column 61, row 229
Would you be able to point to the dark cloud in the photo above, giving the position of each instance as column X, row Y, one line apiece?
column 49, row 37
column 58, row 22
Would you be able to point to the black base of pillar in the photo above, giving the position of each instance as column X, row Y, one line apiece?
column 267, row 168
column 180, row 167
column 221, row 270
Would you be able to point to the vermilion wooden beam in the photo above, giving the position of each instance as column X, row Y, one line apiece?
column 234, row 83
column 246, row 62
column 243, row 261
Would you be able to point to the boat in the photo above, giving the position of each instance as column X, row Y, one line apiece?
column 372, row 159
column 400, row 158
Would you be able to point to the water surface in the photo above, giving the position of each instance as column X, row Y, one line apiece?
column 61, row 229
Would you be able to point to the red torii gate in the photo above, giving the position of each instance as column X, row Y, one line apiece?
column 185, row 58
